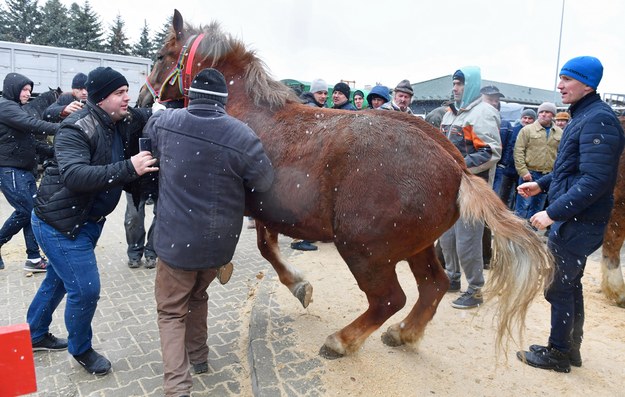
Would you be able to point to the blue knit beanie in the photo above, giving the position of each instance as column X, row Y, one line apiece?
column 585, row 69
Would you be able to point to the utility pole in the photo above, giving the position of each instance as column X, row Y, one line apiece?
column 555, row 84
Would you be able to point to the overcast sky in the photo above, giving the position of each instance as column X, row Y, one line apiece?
column 387, row 41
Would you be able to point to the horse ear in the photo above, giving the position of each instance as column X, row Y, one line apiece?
column 178, row 24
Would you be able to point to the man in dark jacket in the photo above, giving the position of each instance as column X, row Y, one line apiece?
column 208, row 160
column 580, row 201
column 18, row 162
column 340, row 97
column 68, row 102
column 93, row 151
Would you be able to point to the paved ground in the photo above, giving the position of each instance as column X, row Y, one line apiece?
column 251, row 352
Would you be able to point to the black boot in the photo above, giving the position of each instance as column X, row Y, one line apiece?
column 575, row 357
column 94, row 362
column 547, row 358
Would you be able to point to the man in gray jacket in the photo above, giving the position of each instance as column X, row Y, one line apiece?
column 208, row 160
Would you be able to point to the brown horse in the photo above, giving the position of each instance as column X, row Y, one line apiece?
column 612, row 281
column 381, row 185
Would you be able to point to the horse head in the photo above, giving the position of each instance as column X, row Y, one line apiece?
column 188, row 50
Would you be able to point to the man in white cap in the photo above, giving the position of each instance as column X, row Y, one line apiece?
column 580, row 189
column 534, row 154
column 317, row 95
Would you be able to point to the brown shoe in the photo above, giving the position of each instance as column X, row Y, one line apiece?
column 225, row 272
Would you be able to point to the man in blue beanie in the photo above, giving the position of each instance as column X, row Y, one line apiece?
column 93, row 162
column 580, row 201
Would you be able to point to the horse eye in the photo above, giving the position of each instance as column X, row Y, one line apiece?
column 159, row 58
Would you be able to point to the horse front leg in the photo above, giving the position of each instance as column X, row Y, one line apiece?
column 288, row 274
column 612, row 277
column 432, row 283
column 385, row 297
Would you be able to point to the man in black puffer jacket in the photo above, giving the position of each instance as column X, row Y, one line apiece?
column 18, row 163
column 580, row 201
column 94, row 154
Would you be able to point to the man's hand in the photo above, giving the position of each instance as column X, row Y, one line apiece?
column 72, row 107
column 541, row 220
column 528, row 189
column 527, row 177
column 143, row 163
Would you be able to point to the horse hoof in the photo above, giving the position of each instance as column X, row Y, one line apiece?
column 328, row 353
column 389, row 339
column 303, row 292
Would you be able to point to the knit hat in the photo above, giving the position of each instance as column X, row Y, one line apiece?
column 491, row 90
column 342, row 87
column 209, row 83
column 358, row 92
column 102, row 81
column 379, row 91
column 547, row 106
column 529, row 113
column 585, row 69
column 404, row 86
column 458, row 75
column 79, row 81
column 563, row 116
column 318, row 85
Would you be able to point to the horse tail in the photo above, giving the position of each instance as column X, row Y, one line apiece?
column 521, row 265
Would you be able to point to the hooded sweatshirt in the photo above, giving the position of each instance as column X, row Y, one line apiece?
column 473, row 127
column 17, row 128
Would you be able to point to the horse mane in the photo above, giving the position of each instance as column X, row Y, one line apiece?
column 219, row 48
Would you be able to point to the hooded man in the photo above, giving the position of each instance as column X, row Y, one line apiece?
column 18, row 162
column 472, row 125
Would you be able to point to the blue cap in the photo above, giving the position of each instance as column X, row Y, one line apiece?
column 585, row 69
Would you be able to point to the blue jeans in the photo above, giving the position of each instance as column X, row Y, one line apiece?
column 526, row 207
column 570, row 242
column 134, row 220
column 72, row 269
column 19, row 188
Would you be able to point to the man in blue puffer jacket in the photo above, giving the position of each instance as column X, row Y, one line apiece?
column 580, row 201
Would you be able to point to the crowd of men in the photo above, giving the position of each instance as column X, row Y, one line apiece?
column 565, row 175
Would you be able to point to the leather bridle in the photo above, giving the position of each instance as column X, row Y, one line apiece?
column 182, row 73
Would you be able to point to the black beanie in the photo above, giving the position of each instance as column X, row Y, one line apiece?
column 210, row 84
column 79, row 81
column 342, row 87
column 102, row 82
column 458, row 75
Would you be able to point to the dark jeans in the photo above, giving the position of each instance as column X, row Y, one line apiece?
column 526, row 207
column 570, row 243
column 72, row 269
column 134, row 221
column 507, row 189
column 19, row 188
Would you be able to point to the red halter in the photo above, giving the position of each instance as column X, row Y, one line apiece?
column 184, row 78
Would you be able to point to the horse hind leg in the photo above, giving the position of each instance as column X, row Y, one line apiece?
column 612, row 277
column 432, row 283
column 288, row 274
column 384, row 295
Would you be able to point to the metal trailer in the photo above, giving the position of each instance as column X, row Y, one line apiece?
column 52, row 67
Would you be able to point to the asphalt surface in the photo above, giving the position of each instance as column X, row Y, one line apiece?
column 252, row 352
